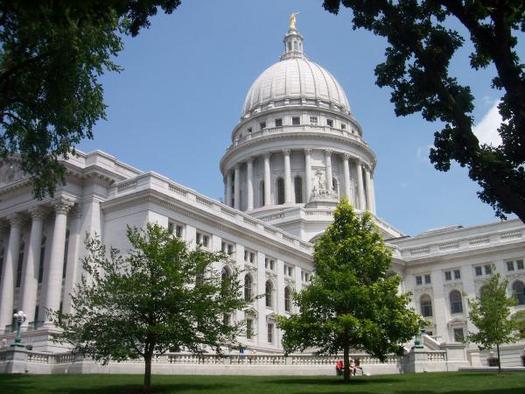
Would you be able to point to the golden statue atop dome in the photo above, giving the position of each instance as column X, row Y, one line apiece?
column 293, row 20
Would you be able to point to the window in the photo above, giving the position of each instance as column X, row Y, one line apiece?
column 42, row 260
column 262, row 125
column 20, row 265
column 459, row 336
column 510, row 265
column 270, row 332
column 335, row 186
column 488, row 269
column 456, row 304
column 518, row 289
column 343, row 126
column 313, row 119
column 448, row 275
column 330, row 122
column 478, row 271
column 305, row 276
column 269, row 263
column 268, row 292
column 227, row 247
column 288, row 270
column 248, row 283
column 287, row 299
column 249, row 129
column 225, row 274
column 249, row 256
column 202, row 239
column 298, row 188
column 249, row 328
column 419, row 280
column 176, row 228
column 426, row 305
column 278, row 122
column 280, row 191
column 519, row 264
column 296, row 120
column 66, row 250
column 427, row 279
column 457, row 274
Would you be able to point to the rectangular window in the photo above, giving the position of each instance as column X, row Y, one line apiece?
column 296, row 120
column 249, row 129
column 203, row 239
column 478, row 271
column 419, row 280
column 448, row 275
column 510, row 265
column 270, row 332
column 249, row 328
column 488, row 269
column 176, row 228
column 278, row 122
column 330, row 122
column 262, row 125
column 457, row 274
column 519, row 264
column 269, row 263
column 227, row 247
column 343, row 126
column 459, row 336
column 427, row 279
column 249, row 256
column 313, row 119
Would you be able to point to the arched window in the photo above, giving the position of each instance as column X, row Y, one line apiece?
column 335, row 186
column 280, row 191
column 518, row 289
column 261, row 193
column 42, row 259
column 225, row 276
column 456, row 303
column 268, row 293
column 298, row 188
column 248, row 283
column 20, row 264
column 426, row 305
column 287, row 299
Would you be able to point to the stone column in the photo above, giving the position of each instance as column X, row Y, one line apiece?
column 237, row 187
column 249, row 184
column 267, row 180
column 228, row 195
column 260, row 303
column 346, row 173
column 308, row 173
column 53, row 287
column 8, row 274
column 368, row 194
column 360, row 186
column 372, row 194
column 287, row 177
column 328, row 163
column 73, row 263
column 30, row 284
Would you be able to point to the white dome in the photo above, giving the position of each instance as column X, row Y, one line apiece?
column 295, row 79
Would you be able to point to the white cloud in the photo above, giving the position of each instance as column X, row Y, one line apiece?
column 487, row 129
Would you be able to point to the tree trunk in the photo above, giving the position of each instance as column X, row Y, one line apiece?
column 346, row 363
column 147, row 372
column 499, row 359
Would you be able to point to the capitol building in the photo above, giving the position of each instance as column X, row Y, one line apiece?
column 296, row 150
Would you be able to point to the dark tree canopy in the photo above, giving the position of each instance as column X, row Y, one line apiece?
column 353, row 300
column 52, row 53
column 421, row 44
column 160, row 296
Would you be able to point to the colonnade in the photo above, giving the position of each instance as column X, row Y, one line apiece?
column 51, row 290
column 364, row 197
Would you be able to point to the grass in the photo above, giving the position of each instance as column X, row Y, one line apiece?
column 423, row 383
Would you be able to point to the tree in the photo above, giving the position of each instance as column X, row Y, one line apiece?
column 160, row 296
column 422, row 40
column 490, row 313
column 52, row 53
column 352, row 301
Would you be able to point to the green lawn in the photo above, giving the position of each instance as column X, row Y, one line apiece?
column 425, row 383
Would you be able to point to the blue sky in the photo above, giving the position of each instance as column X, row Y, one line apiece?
column 173, row 107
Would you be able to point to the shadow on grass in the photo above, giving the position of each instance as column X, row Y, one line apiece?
column 331, row 381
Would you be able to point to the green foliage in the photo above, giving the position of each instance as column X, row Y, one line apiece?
column 353, row 300
column 491, row 314
column 158, row 297
column 52, row 53
column 422, row 41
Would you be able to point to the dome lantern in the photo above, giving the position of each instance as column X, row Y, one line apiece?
column 293, row 41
